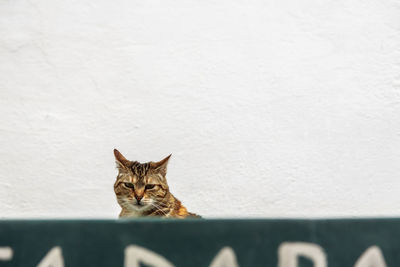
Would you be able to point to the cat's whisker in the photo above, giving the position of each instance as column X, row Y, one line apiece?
column 157, row 208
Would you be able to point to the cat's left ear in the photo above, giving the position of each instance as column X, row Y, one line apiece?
column 161, row 166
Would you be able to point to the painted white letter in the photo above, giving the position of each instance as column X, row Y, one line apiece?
column 134, row 255
column 6, row 253
column 53, row 258
column 372, row 257
column 225, row 258
column 288, row 254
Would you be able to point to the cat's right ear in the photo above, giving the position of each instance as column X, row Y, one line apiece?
column 120, row 160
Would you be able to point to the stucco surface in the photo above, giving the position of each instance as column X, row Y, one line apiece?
column 270, row 108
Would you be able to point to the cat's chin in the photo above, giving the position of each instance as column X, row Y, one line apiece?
column 136, row 207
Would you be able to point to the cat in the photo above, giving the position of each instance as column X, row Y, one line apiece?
column 142, row 190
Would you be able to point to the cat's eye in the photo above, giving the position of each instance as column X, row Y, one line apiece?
column 150, row 186
column 130, row 185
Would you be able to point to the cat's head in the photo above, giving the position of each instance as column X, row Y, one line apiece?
column 140, row 186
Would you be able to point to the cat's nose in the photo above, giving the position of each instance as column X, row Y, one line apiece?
column 138, row 198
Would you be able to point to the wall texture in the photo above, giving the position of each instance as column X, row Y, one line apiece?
column 270, row 108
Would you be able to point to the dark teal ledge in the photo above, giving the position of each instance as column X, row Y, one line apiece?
column 192, row 243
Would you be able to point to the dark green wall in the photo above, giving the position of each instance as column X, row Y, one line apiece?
column 196, row 242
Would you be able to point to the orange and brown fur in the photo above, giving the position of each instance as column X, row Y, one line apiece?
column 142, row 190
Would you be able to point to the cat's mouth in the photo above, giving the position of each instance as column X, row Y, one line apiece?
column 133, row 205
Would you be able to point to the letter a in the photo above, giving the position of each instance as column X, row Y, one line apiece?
column 288, row 254
column 6, row 253
column 53, row 258
column 372, row 257
column 225, row 258
column 134, row 255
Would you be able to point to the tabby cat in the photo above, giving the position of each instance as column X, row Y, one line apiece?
column 142, row 190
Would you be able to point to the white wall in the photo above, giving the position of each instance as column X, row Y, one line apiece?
column 270, row 108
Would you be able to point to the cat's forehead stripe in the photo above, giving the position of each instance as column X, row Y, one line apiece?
column 140, row 169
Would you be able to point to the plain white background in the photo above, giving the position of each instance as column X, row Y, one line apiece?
column 270, row 108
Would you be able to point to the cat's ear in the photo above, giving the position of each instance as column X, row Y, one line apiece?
column 161, row 166
column 120, row 160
